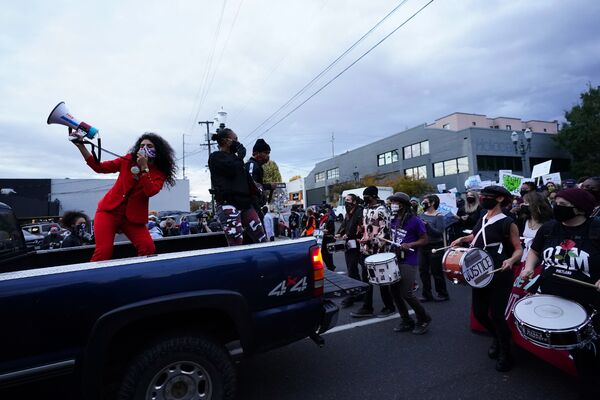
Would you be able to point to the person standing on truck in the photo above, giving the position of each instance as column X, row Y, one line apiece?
column 351, row 231
column 143, row 171
column 234, row 190
column 375, row 221
column 261, row 153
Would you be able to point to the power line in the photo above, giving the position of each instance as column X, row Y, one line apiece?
column 348, row 67
column 328, row 68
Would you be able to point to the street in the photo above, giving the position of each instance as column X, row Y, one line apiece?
column 374, row 362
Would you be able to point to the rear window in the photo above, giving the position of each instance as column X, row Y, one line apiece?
column 192, row 218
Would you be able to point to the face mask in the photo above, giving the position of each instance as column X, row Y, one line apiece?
column 395, row 208
column 149, row 151
column 525, row 209
column 80, row 230
column 425, row 206
column 551, row 189
column 488, row 203
column 349, row 205
column 563, row 213
column 523, row 192
column 470, row 200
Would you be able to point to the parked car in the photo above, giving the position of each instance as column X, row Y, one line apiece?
column 40, row 228
column 194, row 220
column 32, row 241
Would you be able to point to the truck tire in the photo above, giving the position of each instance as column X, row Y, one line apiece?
column 180, row 368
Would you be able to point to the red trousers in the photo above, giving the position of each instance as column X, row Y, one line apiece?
column 107, row 224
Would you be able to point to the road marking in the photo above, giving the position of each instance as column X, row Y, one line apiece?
column 365, row 322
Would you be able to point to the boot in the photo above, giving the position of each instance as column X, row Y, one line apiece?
column 504, row 361
column 405, row 325
column 493, row 350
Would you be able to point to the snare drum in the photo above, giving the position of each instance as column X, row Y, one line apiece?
column 382, row 268
column 468, row 266
column 335, row 247
column 553, row 322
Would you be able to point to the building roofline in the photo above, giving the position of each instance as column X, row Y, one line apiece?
column 462, row 113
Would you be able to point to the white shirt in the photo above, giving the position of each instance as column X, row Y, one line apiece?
column 269, row 228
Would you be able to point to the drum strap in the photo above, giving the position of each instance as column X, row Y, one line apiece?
column 484, row 224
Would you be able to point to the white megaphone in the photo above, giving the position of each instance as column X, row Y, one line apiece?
column 60, row 115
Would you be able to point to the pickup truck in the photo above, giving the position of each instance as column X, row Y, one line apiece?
column 155, row 327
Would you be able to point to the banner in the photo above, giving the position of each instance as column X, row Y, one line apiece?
column 473, row 182
column 511, row 182
column 554, row 178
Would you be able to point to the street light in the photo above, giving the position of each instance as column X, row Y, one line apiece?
column 221, row 119
column 522, row 145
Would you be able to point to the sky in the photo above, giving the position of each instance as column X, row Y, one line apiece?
column 131, row 66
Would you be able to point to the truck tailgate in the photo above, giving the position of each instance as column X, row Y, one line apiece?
column 337, row 285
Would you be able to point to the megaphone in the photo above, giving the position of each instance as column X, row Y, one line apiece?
column 60, row 115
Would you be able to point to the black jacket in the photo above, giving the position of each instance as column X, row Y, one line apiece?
column 351, row 223
column 229, row 179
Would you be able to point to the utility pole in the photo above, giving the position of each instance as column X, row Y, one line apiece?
column 183, row 145
column 332, row 140
column 208, row 124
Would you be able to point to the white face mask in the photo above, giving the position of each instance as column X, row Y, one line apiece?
column 395, row 207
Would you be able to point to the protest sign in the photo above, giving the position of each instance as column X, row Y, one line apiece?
column 541, row 169
column 511, row 182
column 554, row 178
column 441, row 187
column 473, row 182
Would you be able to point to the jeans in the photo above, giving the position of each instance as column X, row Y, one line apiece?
column 430, row 264
column 403, row 291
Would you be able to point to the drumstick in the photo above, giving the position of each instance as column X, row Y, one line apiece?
column 440, row 249
column 566, row 278
column 393, row 243
column 493, row 271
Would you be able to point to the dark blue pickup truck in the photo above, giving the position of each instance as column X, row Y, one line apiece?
column 157, row 327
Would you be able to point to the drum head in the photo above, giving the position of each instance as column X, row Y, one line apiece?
column 380, row 258
column 475, row 265
column 545, row 311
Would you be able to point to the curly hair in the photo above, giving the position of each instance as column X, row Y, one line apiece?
column 69, row 217
column 539, row 207
column 165, row 155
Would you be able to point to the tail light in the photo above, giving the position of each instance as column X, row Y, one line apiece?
column 318, row 271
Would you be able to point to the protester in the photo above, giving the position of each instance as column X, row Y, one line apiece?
column 294, row 223
column 431, row 263
column 268, row 223
column 497, row 234
column 184, row 226
column 409, row 234
column 148, row 165
column 535, row 211
column 570, row 246
column 261, row 153
column 234, row 190
column 415, row 204
column 311, row 223
column 53, row 239
column 473, row 210
column 154, row 229
column 170, row 228
column 592, row 186
column 527, row 187
column 351, row 230
column 327, row 226
column 375, row 222
column 77, row 224
column 203, row 225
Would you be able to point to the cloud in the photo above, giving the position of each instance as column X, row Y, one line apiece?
column 134, row 66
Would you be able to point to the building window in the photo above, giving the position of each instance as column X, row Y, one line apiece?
column 451, row 167
column 545, row 130
column 494, row 163
column 474, row 123
column 508, row 127
column 419, row 172
column 320, row 176
column 416, row 150
column 387, row 158
column 333, row 173
column 446, row 126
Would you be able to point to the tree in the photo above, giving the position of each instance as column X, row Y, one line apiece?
column 580, row 135
column 411, row 186
column 272, row 174
column 295, row 178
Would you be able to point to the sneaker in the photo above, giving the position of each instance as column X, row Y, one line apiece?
column 405, row 325
column 424, row 299
column 441, row 298
column 504, row 362
column 385, row 312
column 494, row 350
column 421, row 327
column 362, row 312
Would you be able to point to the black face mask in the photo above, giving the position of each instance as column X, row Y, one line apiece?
column 488, row 203
column 470, row 200
column 367, row 199
column 563, row 213
column 523, row 192
column 349, row 206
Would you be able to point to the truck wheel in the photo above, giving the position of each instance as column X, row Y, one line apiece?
column 180, row 368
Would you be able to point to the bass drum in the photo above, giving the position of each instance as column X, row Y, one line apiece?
column 470, row 266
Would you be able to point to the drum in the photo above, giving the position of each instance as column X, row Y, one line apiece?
column 335, row 247
column 382, row 268
column 553, row 322
column 468, row 266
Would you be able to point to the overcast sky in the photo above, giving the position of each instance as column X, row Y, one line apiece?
column 134, row 66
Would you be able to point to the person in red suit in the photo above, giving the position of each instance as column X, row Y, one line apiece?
column 143, row 171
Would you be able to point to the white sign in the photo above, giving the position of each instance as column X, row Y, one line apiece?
column 511, row 182
column 441, row 187
column 554, row 178
column 453, row 190
column 447, row 203
column 541, row 169
column 473, row 182
column 487, row 183
column 504, row 171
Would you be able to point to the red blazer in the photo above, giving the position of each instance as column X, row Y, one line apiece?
column 136, row 192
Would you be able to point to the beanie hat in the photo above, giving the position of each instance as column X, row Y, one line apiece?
column 370, row 191
column 580, row 198
column 260, row 146
column 496, row 190
column 399, row 196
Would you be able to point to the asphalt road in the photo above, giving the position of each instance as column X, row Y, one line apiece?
column 374, row 362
